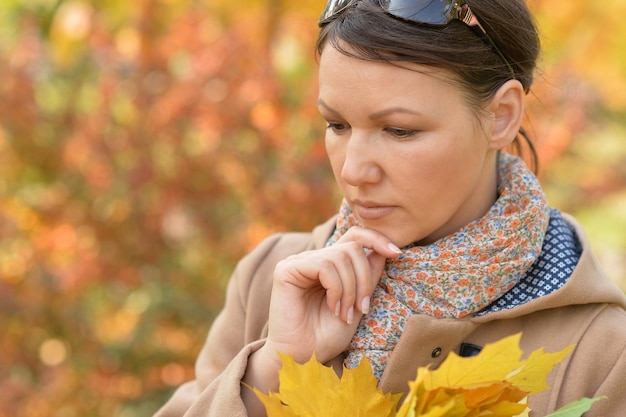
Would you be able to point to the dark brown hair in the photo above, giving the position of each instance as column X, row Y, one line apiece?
column 372, row 34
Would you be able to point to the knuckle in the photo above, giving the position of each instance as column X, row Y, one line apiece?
column 353, row 247
column 281, row 265
column 344, row 255
column 349, row 297
column 325, row 263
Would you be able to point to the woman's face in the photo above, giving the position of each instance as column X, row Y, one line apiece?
column 411, row 158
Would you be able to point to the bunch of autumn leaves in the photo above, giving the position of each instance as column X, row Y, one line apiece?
column 494, row 383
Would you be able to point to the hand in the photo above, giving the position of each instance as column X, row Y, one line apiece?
column 319, row 296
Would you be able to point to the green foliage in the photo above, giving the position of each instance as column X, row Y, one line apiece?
column 145, row 146
column 576, row 409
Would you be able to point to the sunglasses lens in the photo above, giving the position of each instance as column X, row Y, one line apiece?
column 434, row 12
column 333, row 7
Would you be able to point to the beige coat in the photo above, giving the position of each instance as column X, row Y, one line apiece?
column 587, row 311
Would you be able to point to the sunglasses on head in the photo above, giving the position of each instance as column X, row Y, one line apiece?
column 430, row 12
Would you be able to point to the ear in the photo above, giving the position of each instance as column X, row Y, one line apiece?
column 507, row 111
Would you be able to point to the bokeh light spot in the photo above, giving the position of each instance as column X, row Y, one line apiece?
column 173, row 374
column 53, row 352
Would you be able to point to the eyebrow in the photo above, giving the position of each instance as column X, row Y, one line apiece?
column 322, row 103
column 391, row 110
column 375, row 115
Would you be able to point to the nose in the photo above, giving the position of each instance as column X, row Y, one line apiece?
column 360, row 165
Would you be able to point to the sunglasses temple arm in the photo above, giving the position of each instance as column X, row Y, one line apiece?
column 470, row 20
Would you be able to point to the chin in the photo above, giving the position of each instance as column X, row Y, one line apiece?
column 396, row 238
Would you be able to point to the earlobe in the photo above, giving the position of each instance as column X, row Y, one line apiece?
column 507, row 110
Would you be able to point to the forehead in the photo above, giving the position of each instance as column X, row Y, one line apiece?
column 342, row 67
column 341, row 75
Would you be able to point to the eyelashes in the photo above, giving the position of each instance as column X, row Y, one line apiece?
column 395, row 132
column 337, row 127
column 401, row 133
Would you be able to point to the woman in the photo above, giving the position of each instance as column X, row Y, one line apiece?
column 444, row 242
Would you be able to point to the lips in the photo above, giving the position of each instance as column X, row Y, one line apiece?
column 368, row 210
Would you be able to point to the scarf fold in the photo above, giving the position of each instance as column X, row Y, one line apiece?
column 459, row 274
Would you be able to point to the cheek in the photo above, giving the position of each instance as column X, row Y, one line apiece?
column 439, row 171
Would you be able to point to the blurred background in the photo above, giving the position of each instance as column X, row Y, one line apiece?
column 146, row 145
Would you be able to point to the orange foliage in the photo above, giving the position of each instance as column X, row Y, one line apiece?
column 144, row 147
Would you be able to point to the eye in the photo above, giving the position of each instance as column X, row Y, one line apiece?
column 337, row 127
column 401, row 133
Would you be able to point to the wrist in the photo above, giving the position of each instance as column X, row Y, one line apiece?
column 262, row 369
column 262, row 374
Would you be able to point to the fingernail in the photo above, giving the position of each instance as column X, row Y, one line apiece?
column 394, row 248
column 350, row 315
column 338, row 308
column 365, row 305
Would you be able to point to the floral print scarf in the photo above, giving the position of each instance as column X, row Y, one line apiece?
column 461, row 273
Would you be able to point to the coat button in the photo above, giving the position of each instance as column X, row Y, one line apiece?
column 436, row 352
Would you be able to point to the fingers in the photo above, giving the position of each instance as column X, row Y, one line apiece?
column 347, row 271
column 351, row 283
column 372, row 241
column 339, row 275
column 342, row 272
column 377, row 248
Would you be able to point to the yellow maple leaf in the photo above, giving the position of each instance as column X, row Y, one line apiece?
column 495, row 383
column 497, row 361
column 494, row 362
column 315, row 390
column 532, row 376
column 495, row 399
